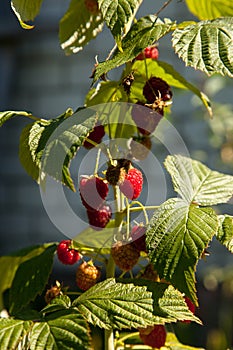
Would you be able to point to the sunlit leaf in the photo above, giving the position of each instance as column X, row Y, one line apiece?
column 207, row 45
column 176, row 238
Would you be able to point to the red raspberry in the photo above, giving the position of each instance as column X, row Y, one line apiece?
column 145, row 118
column 87, row 275
column 132, row 185
column 92, row 6
column 140, row 147
column 191, row 307
column 98, row 219
column 149, row 52
column 154, row 336
column 95, row 135
column 156, row 88
column 66, row 254
column 93, row 191
column 125, row 255
column 139, row 238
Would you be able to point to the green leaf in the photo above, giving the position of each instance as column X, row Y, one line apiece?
column 107, row 91
column 207, row 45
column 30, row 279
column 117, row 14
column 132, row 304
column 13, row 332
column 168, row 303
column 144, row 70
column 26, row 10
column 7, row 115
column 61, row 330
column 78, row 26
column 144, row 32
column 195, row 182
column 172, row 343
column 59, row 303
column 9, row 265
column 109, row 304
column 176, row 237
column 210, row 9
column 48, row 146
column 225, row 231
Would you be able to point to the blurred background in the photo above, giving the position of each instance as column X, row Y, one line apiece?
column 36, row 76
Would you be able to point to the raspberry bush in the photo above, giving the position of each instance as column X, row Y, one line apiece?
column 133, row 280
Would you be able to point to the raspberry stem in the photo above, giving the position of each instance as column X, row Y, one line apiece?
column 143, row 209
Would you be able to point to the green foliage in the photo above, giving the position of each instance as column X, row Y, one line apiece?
column 195, row 182
column 13, row 332
column 210, row 9
column 179, row 231
column 225, row 231
column 30, row 279
column 7, row 115
column 112, row 304
column 9, row 264
column 78, row 27
column 206, row 45
column 25, row 10
column 58, row 327
column 146, row 31
column 44, row 151
column 176, row 237
column 118, row 14
column 172, row 343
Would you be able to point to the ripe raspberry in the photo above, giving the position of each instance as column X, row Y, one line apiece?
column 191, row 307
column 95, row 135
column 125, row 255
column 98, row 219
column 155, row 338
column 66, row 254
column 93, row 191
column 116, row 172
column 156, row 88
column 92, row 6
column 87, row 275
column 53, row 292
column 140, row 147
column 150, row 274
column 145, row 118
column 132, row 185
column 148, row 52
column 139, row 238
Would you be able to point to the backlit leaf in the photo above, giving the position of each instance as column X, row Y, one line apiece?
column 80, row 24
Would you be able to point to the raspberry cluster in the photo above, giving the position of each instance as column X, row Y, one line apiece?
column 94, row 190
column 148, row 52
